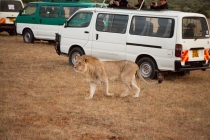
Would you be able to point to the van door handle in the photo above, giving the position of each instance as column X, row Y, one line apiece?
column 33, row 18
column 96, row 36
column 40, row 21
column 86, row 32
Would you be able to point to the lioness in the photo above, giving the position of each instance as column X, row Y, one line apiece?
column 97, row 72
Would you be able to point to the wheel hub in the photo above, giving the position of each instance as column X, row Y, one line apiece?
column 146, row 70
column 27, row 37
column 73, row 58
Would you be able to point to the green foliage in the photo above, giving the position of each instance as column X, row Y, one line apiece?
column 27, row 1
column 205, row 12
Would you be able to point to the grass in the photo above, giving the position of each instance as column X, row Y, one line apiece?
column 41, row 97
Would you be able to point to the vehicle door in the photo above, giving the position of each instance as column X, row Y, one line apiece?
column 48, row 22
column 109, row 36
column 195, row 36
column 27, row 18
column 76, row 30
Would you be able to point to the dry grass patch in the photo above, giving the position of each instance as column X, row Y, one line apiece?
column 43, row 98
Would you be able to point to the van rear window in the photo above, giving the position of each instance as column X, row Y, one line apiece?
column 152, row 26
column 10, row 6
column 194, row 27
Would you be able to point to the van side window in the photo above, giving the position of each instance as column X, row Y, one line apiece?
column 55, row 11
column 81, row 19
column 111, row 23
column 49, row 11
column 152, row 26
column 30, row 9
column 42, row 12
column 67, row 11
column 163, row 29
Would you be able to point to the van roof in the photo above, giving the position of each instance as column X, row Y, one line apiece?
column 66, row 3
column 170, row 13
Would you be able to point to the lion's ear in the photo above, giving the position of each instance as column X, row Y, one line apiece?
column 86, row 60
column 77, row 57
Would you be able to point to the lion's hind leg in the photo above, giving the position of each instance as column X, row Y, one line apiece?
column 128, row 85
column 126, row 79
column 134, row 84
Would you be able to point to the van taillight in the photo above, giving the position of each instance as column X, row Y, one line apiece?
column 178, row 50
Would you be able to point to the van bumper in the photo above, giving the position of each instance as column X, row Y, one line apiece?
column 193, row 65
column 57, row 43
column 7, row 27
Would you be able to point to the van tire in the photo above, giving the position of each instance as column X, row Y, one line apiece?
column 72, row 55
column 12, row 32
column 28, row 36
column 51, row 41
column 147, row 67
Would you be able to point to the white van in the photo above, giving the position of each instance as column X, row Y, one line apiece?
column 9, row 10
column 155, row 40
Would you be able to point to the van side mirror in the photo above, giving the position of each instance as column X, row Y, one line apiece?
column 65, row 24
column 20, row 11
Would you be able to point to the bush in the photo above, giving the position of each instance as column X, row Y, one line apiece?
column 27, row 1
column 205, row 12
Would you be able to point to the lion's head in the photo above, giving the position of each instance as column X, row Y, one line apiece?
column 80, row 65
column 86, row 63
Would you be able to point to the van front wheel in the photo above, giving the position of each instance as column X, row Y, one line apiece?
column 72, row 55
column 28, row 36
column 147, row 67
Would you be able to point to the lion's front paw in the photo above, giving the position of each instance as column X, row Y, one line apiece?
column 123, row 95
column 88, row 98
column 135, row 96
column 109, row 94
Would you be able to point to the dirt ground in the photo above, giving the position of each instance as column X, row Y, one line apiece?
column 41, row 97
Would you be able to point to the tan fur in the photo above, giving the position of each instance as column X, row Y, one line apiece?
column 97, row 72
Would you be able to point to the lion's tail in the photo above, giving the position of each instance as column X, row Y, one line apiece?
column 159, row 76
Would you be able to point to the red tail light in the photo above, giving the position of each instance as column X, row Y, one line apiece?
column 178, row 50
column 209, row 52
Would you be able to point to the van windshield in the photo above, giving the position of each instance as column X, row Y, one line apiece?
column 29, row 9
column 194, row 28
column 10, row 6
